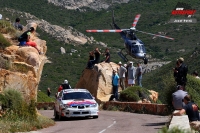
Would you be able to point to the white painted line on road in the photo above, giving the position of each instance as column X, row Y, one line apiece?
column 108, row 127
column 111, row 124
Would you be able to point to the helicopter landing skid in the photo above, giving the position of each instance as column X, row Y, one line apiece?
column 123, row 56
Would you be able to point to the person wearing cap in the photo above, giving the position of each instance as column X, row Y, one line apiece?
column 122, row 71
column 131, row 74
column 177, row 97
column 139, row 74
column 190, row 108
column 25, row 39
column 181, row 72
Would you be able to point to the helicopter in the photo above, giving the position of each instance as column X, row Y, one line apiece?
column 133, row 45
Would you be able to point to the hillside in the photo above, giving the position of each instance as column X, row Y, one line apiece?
column 154, row 18
column 165, row 84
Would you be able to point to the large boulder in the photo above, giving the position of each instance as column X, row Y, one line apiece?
column 98, row 80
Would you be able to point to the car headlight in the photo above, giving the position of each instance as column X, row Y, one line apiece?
column 63, row 106
column 93, row 105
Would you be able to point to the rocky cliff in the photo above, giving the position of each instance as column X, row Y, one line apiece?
column 66, row 35
column 78, row 4
column 21, row 67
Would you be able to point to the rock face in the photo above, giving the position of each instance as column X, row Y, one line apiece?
column 77, row 4
column 67, row 35
column 22, row 67
column 98, row 80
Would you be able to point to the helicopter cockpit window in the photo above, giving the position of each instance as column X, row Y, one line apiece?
column 143, row 48
column 135, row 49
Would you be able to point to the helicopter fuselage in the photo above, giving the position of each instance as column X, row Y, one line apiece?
column 135, row 48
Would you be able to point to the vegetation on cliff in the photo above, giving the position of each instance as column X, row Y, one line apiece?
column 18, row 116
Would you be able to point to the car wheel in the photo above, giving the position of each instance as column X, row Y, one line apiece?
column 55, row 114
column 95, row 117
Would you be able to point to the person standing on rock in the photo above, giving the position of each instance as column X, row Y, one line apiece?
column 107, row 55
column 122, row 71
column 139, row 74
column 97, row 54
column 131, row 74
column 115, row 83
column 24, row 39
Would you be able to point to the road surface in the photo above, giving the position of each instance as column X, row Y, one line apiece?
column 108, row 122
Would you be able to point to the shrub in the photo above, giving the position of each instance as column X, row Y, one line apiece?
column 4, row 42
column 15, row 106
column 173, row 130
column 42, row 97
column 19, row 115
column 133, row 94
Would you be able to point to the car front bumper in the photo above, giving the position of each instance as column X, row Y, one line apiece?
column 70, row 112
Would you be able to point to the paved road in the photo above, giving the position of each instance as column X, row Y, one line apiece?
column 108, row 122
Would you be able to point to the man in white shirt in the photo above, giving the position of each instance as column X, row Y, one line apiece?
column 122, row 70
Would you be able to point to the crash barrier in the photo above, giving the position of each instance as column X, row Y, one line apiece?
column 181, row 122
column 45, row 105
column 144, row 108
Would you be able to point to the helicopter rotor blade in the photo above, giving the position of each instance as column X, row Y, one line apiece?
column 156, row 35
column 137, row 17
column 104, row 30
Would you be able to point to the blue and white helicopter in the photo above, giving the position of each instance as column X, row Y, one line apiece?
column 133, row 45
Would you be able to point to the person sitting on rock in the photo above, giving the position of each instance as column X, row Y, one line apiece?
column 17, row 24
column 24, row 39
column 190, row 108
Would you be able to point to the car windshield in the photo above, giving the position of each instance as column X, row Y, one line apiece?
column 77, row 95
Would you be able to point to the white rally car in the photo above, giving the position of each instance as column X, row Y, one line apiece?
column 75, row 103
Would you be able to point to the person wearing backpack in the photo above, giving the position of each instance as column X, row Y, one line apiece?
column 181, row 72
column 24, row 39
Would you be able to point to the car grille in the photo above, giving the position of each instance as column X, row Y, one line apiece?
column 81, row 106
column 86, row 112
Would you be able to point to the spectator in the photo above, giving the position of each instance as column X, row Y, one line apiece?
column 122, row 71
column 115, row 83
column 139, row 74
column 175, row 71
column 60, row 88
column 91, row 60
column 97, row 54
column 195, row 74
column 177, row 98
column 24, row 39
column 126, row 75
column 131, row 74
column 190, row 108
column 48, row 92
column 17, row 24
column 66, row 85
column 107, row 54
column 181, row 72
